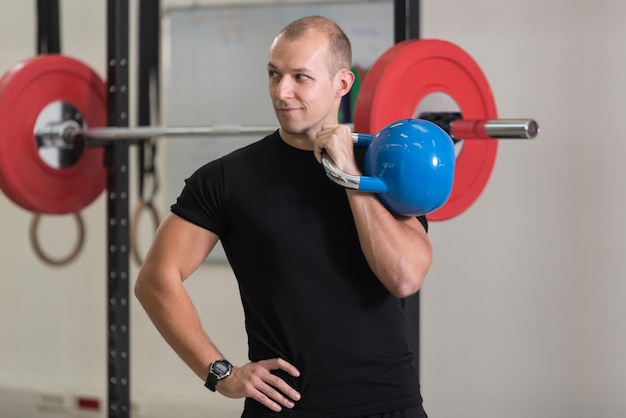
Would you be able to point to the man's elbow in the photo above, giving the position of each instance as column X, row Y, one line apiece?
column 143, row 288
column 409, row 278
column 140, row 288
column 406, row 288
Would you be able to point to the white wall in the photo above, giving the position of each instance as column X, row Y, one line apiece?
column 522, row 311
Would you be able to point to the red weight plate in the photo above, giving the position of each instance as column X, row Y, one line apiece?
column 408, row 72
column 25, row 91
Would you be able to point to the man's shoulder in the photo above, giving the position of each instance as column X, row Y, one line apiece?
column 255, row 147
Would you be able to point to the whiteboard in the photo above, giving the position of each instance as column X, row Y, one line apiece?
column 215, row 70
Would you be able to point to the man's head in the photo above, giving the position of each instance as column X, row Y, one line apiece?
column 309, row 73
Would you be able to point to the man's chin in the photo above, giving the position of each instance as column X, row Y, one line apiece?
column 293, row 129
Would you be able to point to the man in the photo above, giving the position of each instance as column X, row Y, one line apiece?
column 321, row 269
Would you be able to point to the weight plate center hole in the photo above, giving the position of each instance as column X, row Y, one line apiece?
column 439, row 103
column 55, row 147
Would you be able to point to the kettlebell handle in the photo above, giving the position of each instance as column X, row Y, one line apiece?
column 351, row 181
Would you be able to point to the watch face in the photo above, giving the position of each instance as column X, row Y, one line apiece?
column 220, row 368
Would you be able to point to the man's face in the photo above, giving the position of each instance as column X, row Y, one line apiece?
column 303, row 93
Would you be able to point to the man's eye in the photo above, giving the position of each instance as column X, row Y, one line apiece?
column 302, row 77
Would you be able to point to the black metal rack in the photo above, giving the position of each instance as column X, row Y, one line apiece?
column 118, row 235
column 407, row 26
column 406, row 20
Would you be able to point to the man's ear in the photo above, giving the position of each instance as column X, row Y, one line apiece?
column 345, row 79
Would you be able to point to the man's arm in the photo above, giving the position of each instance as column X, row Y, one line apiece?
column 397, row 248
column 178, row 249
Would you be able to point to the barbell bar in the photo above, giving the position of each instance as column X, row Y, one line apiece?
column 415, row 181
column 66, row 133
column 407, row 200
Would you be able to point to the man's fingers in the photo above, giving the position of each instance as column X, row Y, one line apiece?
column 273, row 391
column 322, row 140
column 279, row 363
column 336, row 140
column 288, row 367
column 273, row 398
column 283, row 387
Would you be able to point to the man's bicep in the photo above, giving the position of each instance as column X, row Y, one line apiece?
column 180, row 245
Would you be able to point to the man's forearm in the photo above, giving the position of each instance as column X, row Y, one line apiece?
column 171, row 310
column 396, row 248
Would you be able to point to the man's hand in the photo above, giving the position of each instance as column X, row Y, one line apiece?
column 254, row 380
column 336, row 140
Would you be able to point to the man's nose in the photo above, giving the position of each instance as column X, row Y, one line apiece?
column 284, row 89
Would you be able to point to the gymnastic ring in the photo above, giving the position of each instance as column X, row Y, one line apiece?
column 34, row 241
column 144, row 205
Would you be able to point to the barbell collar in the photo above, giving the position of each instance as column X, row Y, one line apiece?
column 59, row 134
column 494, row 128
column 512, row 128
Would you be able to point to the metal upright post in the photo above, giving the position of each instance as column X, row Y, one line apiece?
column 48, row 27
column 118, row 237
column 406, row 19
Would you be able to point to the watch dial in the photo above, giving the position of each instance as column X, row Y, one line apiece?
column 220, row 368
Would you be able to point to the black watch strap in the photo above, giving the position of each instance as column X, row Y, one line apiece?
column 218, row 370
column 211, row 381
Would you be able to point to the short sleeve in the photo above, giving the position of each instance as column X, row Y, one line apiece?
column 202, row 198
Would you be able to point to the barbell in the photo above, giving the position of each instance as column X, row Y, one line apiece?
column 410, row 163
column 53, row 108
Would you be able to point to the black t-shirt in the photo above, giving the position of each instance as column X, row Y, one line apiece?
column 308, row 293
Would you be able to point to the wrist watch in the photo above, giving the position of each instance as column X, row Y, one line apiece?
column 218, row 370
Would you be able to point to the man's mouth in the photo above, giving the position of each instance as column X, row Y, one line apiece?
column 287, row 108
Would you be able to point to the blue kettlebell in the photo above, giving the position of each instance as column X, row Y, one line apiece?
column 409, row 165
